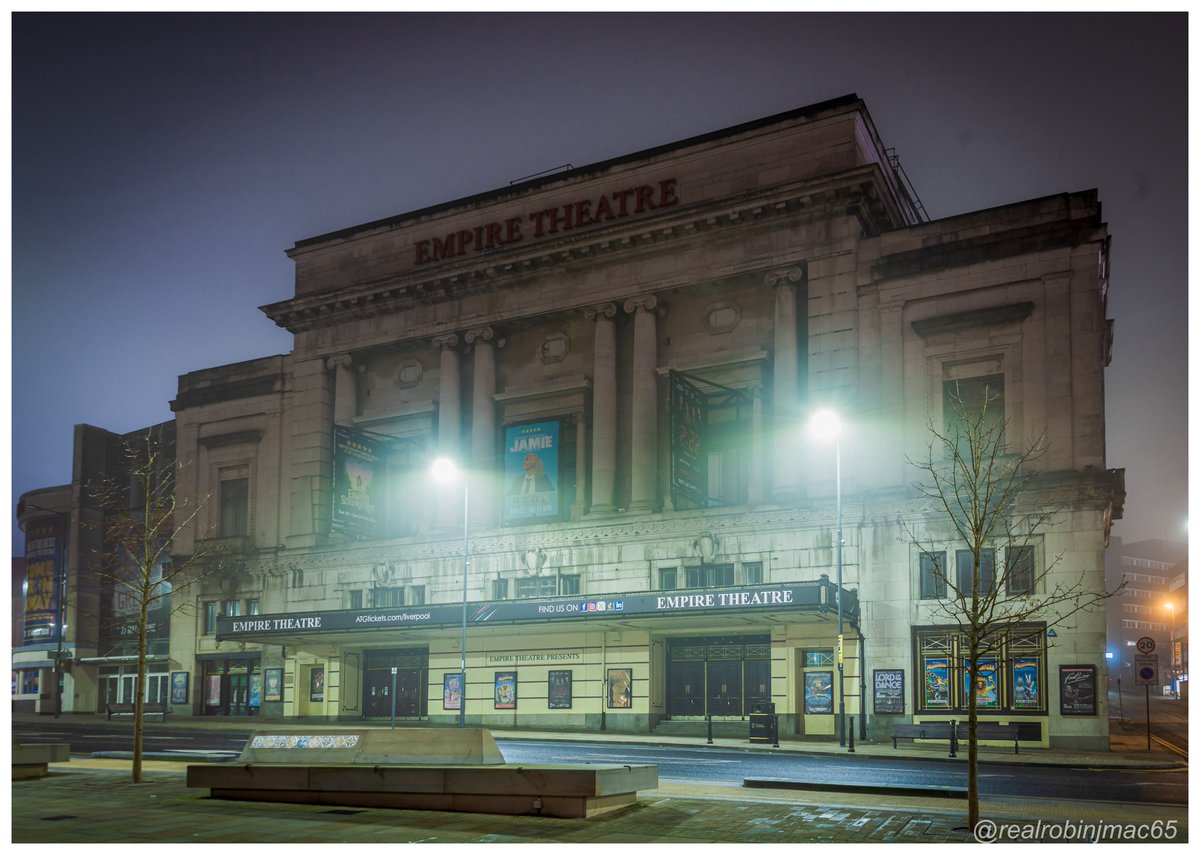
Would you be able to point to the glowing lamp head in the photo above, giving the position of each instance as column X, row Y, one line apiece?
column 444, row 470
column 825, row 425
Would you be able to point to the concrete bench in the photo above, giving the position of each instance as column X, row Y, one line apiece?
column 448, row 769
column 121, row 710
column 33, row 761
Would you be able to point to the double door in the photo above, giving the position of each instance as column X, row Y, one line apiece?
column 409, row 686
column 718, row 676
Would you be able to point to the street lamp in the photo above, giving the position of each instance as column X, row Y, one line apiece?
column 1171, row 641
column 825, row 425
column 446, row 471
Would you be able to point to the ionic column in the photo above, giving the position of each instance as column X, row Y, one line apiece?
column 755, row 490
column 643, row 493
column 604, row 408
column 483, row 424
column 786, row 388
column 449, row 397
column 345, row 396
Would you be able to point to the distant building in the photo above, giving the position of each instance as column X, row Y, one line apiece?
column 75, row 624
column 1152, row 604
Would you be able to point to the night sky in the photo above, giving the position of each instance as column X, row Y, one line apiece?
column 162, row 164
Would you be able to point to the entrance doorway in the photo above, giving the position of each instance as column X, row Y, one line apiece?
column 719, row 676
column 410, row 681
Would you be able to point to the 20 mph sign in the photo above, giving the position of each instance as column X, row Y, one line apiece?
column 1145, row 644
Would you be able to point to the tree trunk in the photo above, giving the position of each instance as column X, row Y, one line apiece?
column 973, row 742
column 139, row 700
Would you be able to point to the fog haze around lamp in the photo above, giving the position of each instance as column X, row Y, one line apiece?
column 825, row 425
column 444, row 470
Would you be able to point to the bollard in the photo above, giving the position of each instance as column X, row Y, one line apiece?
column 851, row 749
column 775, row 730
column 953, row 738
column 709, row 717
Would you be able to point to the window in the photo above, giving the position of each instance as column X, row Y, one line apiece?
column 933, row 575
column 231, row 608
column 253, row 607
column 752, row 573
column 235, row 507
column 568, row 586
column 695, row 577
column 1019, row 576
column 710, row 576
column 499, row 589
column 721, row 575
column 416, row 595
column 970, row 396
column 668, row 578
column 210, row 618
column 1010, row 673
column 537, row 586
column 965, row 560
column 818, row 658
column 355, row 599
column 386, row 597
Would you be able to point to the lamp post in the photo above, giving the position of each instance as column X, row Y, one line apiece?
column 1171, row 641
column 445, row 470
column 826, row 425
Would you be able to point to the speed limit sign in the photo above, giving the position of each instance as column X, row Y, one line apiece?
column 1145, row 644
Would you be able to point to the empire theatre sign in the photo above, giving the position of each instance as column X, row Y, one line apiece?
column 580, row 213
column 812, row 596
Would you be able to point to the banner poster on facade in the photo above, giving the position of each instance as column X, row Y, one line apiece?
column 179, row 687
column 452, row 691
column 937, row 683
column 212, row 690
column 689, row 435
column 558, row 690
column 1027, row 684
column 889, row 691
column 987, row 693
column 620, row 688
column 316, row 684
column 358, row 482
column 256, row 684
column 1077, row 689
column 818, row 692
column 43, row 568
column 531, row 472
column 273, row 690
column 506, row 690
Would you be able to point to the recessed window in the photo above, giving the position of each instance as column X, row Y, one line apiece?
column 234, row 501
column 537, row 586
column 211, row 610
column 1018, row 575
column 384, row 598
column 668, row 578
column 568, row 586
column 499, row 589
column 933, row 575
column 752, row 573
column 965, row 561
column 416, row 595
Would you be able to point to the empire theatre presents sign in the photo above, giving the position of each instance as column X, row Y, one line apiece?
column 796, row 596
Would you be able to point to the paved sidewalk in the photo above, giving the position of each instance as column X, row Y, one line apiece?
column 93, row 801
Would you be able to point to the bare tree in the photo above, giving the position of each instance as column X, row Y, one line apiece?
column 140, row 515
column 987, row 498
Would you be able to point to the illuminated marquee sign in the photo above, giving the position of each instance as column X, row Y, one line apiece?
column 630, row 201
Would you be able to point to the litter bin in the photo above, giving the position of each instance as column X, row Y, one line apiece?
column 762, row 723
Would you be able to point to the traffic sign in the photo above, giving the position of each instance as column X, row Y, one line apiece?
column 1145, row 670
column 1145, row 644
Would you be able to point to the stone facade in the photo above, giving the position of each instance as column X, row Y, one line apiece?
column 775, row 266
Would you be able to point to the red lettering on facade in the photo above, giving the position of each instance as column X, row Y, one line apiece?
column 513, row 232
column 666, row 193
column 645, row 201
column 583, row 213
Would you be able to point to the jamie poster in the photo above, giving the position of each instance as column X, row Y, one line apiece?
column 818, row 692
column 506, row 690
column 1077, row 689
column 558, row 690
column 531, row 471
column 1027, row 684
column 937, row 684
column 357, row 482
column 316, row 685
column 452, row 691
column 256, row 684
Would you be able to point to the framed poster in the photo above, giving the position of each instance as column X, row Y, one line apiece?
column 889, row 691
column 818, row 693
column 531, row 472
column 212, row 690
column 256, row 684
column 937, row 684
column 506, row 690
column 620, row 688
column 1077, row 689
column 179, row 687
column 273, row 685
column 558, row 690
column 1027, row 684
column 452, row 691
column 987, row 693
column 316, row 684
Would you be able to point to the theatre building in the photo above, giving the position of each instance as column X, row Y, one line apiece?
column 621, row 359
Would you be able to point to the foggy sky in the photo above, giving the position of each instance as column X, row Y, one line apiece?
column 162, row 164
